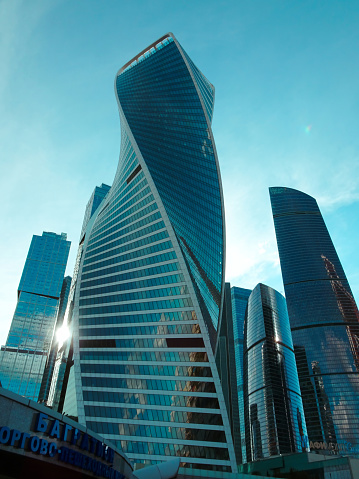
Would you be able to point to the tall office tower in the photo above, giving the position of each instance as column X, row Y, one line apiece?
column 227, row 369
column 23, row 358
column 150, row 278
column 63, row 350
column 324, row 319
column 273, row 408
column 51, row 358
column 94, row 202
column 239, row 299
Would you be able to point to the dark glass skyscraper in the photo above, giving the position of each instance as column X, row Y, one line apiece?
column 324, row 319
column 150, row 282
column 23, row 358
column 273, row 409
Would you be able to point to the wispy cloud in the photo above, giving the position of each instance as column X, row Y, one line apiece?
column 252, row 254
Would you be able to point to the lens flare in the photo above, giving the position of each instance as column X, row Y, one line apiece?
column 62, row 334
column 308, row 128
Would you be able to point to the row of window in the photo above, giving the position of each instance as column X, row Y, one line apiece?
column 127, row 247
column 37, row 299
column 207, row 245
column 145, row 283
column 141, row 430
column 119, row 227
column 198, row 205
column 198, row 143
column 36, row 310
column 132, row 162
column 170, row 64
column 140, row 318
column 96, row 243
column 117, row 217
column 168, row 356
column 173, row 450
column 134, row 226
column 206, row 95
column 152, row 384
column 184, row 133
column 157, row 329
column 129, row 163
column 144, row 369
column 121, row 200
column 147, row 306
column 169, row 400
column 154, row 415
column 133, row 236
column 201, row 156
column 132, row 265
column 128, row 256
column 136, row 295
column 184, row 92
column 171, row 341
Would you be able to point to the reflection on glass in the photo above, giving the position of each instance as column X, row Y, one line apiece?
column 324, row 319
column 274, row 415
column 23, row 358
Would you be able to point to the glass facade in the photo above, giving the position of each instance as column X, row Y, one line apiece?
column 94, row 202
column 324, row 319
column 239, row 299
column 273, row 408
column 150, row 279
column 226, row 364
column 23, row 358
column 51, row 359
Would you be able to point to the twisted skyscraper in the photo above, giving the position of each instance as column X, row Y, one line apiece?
column 151, row 275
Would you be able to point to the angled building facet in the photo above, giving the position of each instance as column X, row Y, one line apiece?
column 324, row 319
column 151, row 276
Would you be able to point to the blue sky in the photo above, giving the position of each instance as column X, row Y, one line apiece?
column 286, row 114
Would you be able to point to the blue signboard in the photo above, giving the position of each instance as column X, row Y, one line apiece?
column 96, row 450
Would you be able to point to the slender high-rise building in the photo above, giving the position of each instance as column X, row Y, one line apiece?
column 273, row 408
column 63, row 357
column 151, row 275
column 324, row 320
column 51, row 359
column 23, row 358
column 229, row 359
column 226, row 364
column 94, row 202
column 239, row 299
